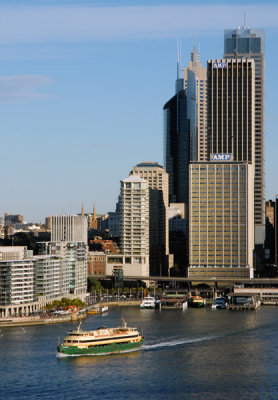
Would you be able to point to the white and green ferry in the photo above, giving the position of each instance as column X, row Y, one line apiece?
column 101, row 341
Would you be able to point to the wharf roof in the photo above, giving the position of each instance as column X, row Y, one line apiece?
column 243, row 294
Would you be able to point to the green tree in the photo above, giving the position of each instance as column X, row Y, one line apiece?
column 94, row 284
column 78, row 303
column 23, row 239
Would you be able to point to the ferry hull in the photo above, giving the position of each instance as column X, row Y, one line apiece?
column 147, row 307
column 197, row 304
column 113, row 348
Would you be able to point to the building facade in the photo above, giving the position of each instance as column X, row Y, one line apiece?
column 69, row 228
column 249, row 43
column 221, row 224
column 96, row 263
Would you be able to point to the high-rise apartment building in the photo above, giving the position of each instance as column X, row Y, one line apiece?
column 195, row 85
column 221, row 223
column 134, row 221
column 230, row 115
column 249, row 43
column 157, row 179
column 69, row 228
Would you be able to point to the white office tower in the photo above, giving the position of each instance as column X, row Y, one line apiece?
column 195, row 84
column 69, row 228
column 134, row 223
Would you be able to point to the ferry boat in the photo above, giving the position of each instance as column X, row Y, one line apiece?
column 148, row 302
column 101, row 341
column 196, row 301
column 92, row 311
column 173, row 302
column 219, row 304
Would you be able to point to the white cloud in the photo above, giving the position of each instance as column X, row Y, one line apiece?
column 38, row 24
column 21, row 88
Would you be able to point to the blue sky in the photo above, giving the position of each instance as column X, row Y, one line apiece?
column 83, row 84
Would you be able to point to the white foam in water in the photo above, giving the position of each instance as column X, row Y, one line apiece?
column 177, row 342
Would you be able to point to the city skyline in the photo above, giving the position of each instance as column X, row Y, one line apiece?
column 79, row 103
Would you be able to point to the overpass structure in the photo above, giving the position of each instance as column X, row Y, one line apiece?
column 256, row 282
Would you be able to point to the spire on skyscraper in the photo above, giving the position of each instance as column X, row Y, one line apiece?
column 195, row 55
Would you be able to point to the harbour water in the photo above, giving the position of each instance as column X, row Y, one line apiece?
column 191, row 354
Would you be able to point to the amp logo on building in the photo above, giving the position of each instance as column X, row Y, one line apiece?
column 221, row 157
column 220, row 65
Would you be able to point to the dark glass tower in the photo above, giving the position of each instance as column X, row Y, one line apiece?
column 177, row 146
column 230, row 116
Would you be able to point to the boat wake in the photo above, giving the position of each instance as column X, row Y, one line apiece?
column 177, row 342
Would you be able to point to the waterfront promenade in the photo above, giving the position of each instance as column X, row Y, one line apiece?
column 48, row 320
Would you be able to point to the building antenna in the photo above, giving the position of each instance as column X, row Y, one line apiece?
column 178, row 58
column 244, row 19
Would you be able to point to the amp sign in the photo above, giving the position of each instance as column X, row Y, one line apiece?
column 221, row 157
column 222, row 64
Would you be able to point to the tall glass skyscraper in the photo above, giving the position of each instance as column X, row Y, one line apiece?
column 249, row 43
column 185, row 128
column 195, row 84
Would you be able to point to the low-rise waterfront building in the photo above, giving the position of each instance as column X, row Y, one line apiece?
column 128, row 265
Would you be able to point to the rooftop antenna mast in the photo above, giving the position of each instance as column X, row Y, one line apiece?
column 244, row 19
column 178, row 58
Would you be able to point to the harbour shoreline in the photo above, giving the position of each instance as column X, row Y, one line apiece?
column 36, row 320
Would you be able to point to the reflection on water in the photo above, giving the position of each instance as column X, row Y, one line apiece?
column 195, row 354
